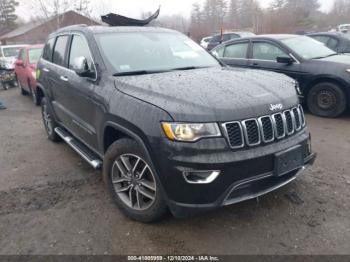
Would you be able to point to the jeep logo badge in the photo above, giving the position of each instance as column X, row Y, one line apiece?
column 276, row 107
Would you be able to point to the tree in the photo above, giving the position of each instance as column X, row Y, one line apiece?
column 233, row 14
column 7, row 13
column 51, row 8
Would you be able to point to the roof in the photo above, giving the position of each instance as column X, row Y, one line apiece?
column 11, row 46
column 276, row 36
column 22, row 30
column 114, row 29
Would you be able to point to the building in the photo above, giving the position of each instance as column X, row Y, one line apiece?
column 37, row 32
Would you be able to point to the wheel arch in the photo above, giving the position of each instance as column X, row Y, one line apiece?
column 113, row 132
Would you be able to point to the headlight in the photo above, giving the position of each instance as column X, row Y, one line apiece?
column 348, row 70
column 34, row 74
column 190, row 132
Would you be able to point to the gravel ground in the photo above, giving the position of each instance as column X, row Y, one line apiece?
column 54, row 203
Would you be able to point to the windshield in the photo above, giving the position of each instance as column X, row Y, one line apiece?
column 152, row 51
column 308, row 48
column 34, row 55
column 11, row 51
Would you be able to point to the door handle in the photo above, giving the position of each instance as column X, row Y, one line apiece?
column 46, row 70
column 255, row 64
column 64, row 78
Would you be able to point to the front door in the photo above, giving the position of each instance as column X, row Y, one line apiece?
column 79, row 99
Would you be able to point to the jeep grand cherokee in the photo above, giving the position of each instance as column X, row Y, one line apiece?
column 171, row 127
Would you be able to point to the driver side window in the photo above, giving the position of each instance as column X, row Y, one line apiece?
column 267, row 51
column 79, row 48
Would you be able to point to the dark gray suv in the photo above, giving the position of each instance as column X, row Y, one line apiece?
column 171, row 127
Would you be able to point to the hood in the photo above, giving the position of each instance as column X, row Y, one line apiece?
column 341, row 58
column 212, row 94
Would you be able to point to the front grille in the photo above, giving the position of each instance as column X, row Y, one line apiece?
column 266, row 129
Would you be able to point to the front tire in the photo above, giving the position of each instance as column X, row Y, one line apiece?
column 326, row 100
column 49, row 122
column 132, row 182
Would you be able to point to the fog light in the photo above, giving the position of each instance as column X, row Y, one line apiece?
column 200, row 177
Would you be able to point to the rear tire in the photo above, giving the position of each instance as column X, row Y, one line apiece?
column 139, row 195
column 49, row 122
column 326, row 100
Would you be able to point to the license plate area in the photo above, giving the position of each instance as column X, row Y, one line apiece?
column 288, row 160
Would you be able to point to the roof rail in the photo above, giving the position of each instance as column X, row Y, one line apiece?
column 72, row 27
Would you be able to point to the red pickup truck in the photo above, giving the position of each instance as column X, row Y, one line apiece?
column 26, row 70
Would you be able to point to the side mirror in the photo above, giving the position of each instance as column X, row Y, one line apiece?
column 19, row 63
column 81, row 67
column 285, row 60
column 215, row 53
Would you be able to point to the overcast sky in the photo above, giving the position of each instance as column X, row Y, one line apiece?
column 135, row 8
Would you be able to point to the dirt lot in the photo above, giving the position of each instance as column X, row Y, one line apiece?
column 51, row 202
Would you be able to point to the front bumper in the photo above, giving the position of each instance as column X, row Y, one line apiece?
column 244, row 174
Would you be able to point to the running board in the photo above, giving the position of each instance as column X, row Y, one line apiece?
column 78, row 147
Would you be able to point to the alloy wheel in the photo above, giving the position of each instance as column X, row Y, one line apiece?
column 134, row 182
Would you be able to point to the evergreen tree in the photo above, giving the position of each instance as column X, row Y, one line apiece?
column 7, row 13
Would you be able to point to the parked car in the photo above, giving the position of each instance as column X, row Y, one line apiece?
column 323, row 75
column 221, row 38
column 172, row 127
column 26, row 70
column 344, row 28
column 205, row 41
column 8, row 56
column 338, row 42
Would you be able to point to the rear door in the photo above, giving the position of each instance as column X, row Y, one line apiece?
column 235, row 54
column 264, row 55
column 57, row 85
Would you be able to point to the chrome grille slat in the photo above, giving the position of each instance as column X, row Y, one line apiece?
column 234, row 132
column 265, row 129
column 251, row 132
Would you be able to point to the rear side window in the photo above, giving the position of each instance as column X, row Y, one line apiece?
column 60, row 50
column 47, row 54
column 236, row 51
column 229, row 37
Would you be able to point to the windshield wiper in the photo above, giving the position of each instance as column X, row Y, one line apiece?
column 139, row 72
column 320, row 57
column 188, row 68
